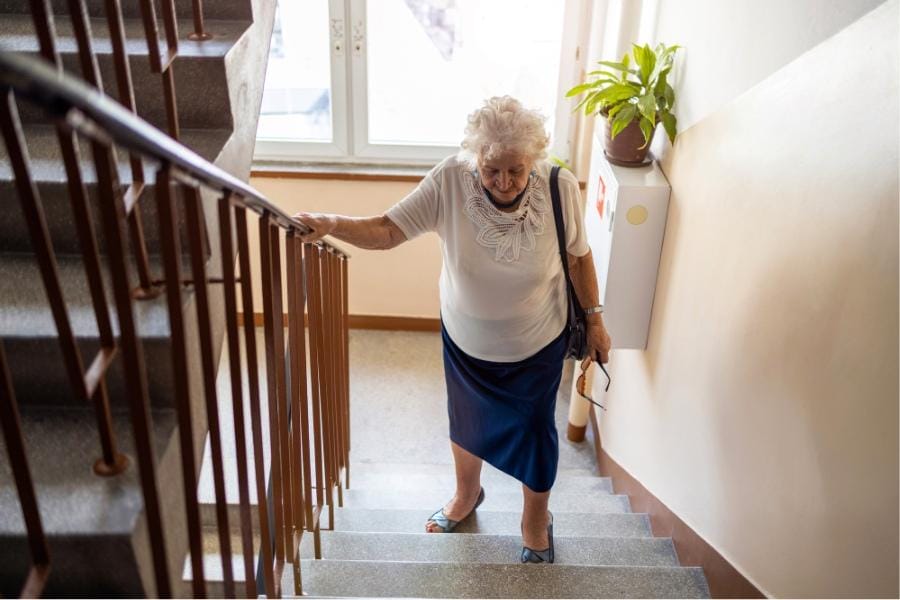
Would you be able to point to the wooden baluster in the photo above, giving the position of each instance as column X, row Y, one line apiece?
column 195, row 220
column 171, row 251
column 234, row 363
column 255, row 412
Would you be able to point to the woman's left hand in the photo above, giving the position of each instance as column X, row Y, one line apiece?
column 599, row 342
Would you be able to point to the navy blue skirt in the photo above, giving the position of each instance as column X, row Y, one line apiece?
column 504, row 412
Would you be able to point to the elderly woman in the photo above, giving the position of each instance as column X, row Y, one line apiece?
column 503, row 303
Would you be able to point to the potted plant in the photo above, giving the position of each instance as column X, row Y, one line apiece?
column 633, row 102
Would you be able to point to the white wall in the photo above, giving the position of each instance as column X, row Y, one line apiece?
column 764, row 409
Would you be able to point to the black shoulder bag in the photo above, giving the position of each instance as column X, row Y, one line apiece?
column 576, row 322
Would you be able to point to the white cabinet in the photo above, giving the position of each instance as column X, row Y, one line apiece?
column 625, row 219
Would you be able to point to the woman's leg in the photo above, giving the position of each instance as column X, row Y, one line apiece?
column 535, row 519
column 468, row 486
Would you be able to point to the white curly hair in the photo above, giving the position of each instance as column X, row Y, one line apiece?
column 503, row 125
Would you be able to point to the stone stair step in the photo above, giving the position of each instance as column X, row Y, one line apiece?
column 48, row 172
column 382, row 468
column 212, row 563
column 480, row 548
column 212, row 9
column 198, row 66
column 93, row 523
column 506, row 501
column 492, row 522
column 446, row 580
column 493, row 479
column 32, row 346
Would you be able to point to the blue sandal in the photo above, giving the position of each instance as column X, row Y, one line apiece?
column 538, row 556
column 448, row 525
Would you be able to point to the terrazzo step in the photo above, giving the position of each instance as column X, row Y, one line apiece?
column 491, row 479
column 505, row 501
column 580, row 524
column 94, row 524
column 212, row 9
column 199, row 67
column 349, row 578
column 480, row 548
column 48, row 172
column 32, row 345
column 369, row 468
column 213, row 571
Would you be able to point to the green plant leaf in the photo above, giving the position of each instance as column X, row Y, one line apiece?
column 592, row 103
column 582, row 103
column 647, row 61
column 560, row 162
column 669, row 95
column 581, row 88
column 647, row 128
column 618, row 92
column 622, row 119
column 669, row 123
column 638, row 53
column 614, row 65
column 660, row 86
column 647, row 105
column 602, row 72
column 615, row 109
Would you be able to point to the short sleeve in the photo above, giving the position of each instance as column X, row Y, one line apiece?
column 419, row 212
column 573, row 213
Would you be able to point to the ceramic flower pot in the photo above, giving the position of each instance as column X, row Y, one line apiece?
column 625, row 149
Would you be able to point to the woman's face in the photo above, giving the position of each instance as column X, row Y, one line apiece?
column 505, row 176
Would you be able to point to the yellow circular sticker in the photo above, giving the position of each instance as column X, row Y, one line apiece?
column 636, row 214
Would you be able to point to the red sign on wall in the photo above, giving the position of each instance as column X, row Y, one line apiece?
column 601, row 196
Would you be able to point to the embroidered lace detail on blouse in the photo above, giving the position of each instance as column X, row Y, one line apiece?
column 506, row 233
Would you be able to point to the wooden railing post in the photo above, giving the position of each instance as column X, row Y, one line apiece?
column 237, row 396
column 18, row 460
column 171, row 249
column 265, row 550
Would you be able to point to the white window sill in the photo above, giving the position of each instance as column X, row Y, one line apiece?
column 338, row 171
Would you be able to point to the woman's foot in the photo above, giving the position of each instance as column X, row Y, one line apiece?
column 456, row 510
column 534, row 531
column 531, row 554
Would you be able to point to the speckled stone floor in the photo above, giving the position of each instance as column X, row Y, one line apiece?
column 398, row 410
column 398, row 402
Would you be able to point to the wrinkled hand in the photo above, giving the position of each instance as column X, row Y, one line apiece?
column 599, row 342
column 321, row 224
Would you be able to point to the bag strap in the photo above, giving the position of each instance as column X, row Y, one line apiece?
column 557, row 214
column 560, row 231
column 560, row 238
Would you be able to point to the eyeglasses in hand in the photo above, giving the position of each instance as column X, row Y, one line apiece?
column 579, row 384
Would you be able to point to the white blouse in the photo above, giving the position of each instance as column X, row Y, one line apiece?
column 503, row 294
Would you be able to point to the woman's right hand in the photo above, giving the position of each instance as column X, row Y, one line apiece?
column 321, row 225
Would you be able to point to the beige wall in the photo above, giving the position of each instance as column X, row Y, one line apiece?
column 402, row 281
column 764, row 409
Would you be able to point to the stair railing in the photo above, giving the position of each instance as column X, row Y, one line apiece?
column 308, row 407
column 161, row 62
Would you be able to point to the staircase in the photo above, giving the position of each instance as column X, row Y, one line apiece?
column 378, row 547
column 96, row 526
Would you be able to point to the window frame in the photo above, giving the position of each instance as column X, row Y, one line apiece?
column 349, row 85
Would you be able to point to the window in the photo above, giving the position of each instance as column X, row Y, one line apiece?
column 392, row 81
